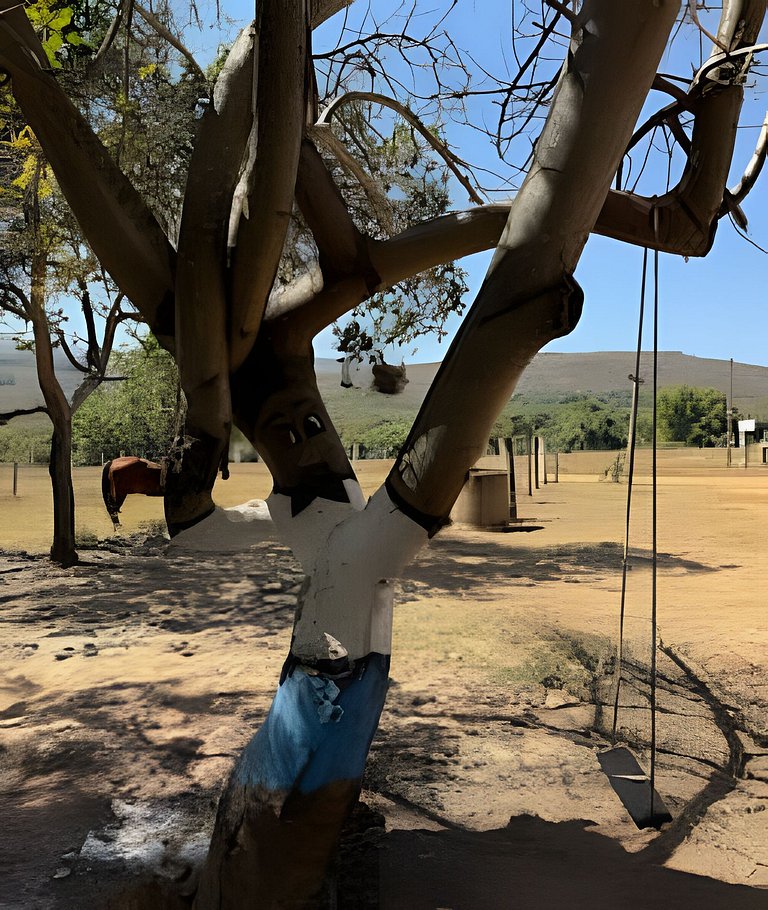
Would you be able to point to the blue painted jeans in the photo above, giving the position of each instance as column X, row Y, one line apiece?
column 318, row 730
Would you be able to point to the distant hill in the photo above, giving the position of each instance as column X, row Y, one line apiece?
column 548, row 375
column 601, row 372
column 18, row 377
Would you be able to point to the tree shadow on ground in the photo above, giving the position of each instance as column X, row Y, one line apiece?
column 535, row 864
column 457, row 564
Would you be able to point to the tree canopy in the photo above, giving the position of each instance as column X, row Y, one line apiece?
column 696, row 417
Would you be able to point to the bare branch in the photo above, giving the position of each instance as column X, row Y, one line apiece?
column 280, row 114
column 528, row 297
column 684, row 220
column 161, row 30
column 565, row 11
column 739, row 192
column 22, row 412
column 376, row 196
column 111, row 34
column 341, row 246
column 694, row 14
column 414, row 250
column 64, row 344
column 320, row 10
column 201, row 294
column 440, row 147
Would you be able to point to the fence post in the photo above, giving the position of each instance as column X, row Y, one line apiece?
column 536, row 451
column 530, row 465
column 15, row 477
column 544, row 460
column 511, row 486
column 557, row 467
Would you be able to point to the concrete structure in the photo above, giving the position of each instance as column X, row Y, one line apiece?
column 753, row 439
column 484, row 501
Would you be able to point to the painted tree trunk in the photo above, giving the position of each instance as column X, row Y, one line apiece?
column 297, row 778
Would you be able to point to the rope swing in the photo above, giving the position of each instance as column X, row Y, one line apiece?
column 635, row 789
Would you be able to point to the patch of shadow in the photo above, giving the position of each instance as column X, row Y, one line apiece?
column 178, row 753
column 17, row 709
column 47, row 822
column 407, row 761
column 454, row 564
column 535, row 863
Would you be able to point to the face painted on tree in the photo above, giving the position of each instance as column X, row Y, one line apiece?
column 301, row 448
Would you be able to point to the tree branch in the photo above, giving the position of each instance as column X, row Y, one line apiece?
column 342, row 248
column 201, row 293
column 443, row 239
column 376, row 196
column 21, row 311
column 320, row 10
column 70, row 353
column 528, row 297
column 683, row 221
column 110, row 35
column 22, row 412
column 738, row 193
column 280, row 108
column 440, row 147
column 163, row 32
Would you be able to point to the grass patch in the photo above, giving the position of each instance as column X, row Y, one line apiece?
column 575, row 663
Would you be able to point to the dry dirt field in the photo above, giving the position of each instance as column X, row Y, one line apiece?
column 130, row 683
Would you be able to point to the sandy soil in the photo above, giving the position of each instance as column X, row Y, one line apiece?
column 130, row 683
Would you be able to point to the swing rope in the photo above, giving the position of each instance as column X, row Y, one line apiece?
column 630, row 479
column 654, row 523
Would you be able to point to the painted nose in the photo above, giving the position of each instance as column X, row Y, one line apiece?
column 312, row 455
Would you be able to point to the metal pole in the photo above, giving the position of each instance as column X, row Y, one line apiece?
column 557, row 467
column 544, row 460
column 536, row 461
column 15, row 477
column 729, row 426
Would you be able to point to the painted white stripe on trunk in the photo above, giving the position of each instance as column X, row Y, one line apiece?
column 352, row 559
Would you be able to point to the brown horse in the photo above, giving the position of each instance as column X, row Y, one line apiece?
column 125, row 475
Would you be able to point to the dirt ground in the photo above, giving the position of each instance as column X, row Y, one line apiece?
column 131, row 682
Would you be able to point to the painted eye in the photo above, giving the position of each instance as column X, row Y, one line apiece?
column 313, row 425
column 293, row 436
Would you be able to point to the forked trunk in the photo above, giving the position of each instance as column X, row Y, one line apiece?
column 296, row 780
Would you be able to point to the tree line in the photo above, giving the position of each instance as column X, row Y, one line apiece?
column 138, row 415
